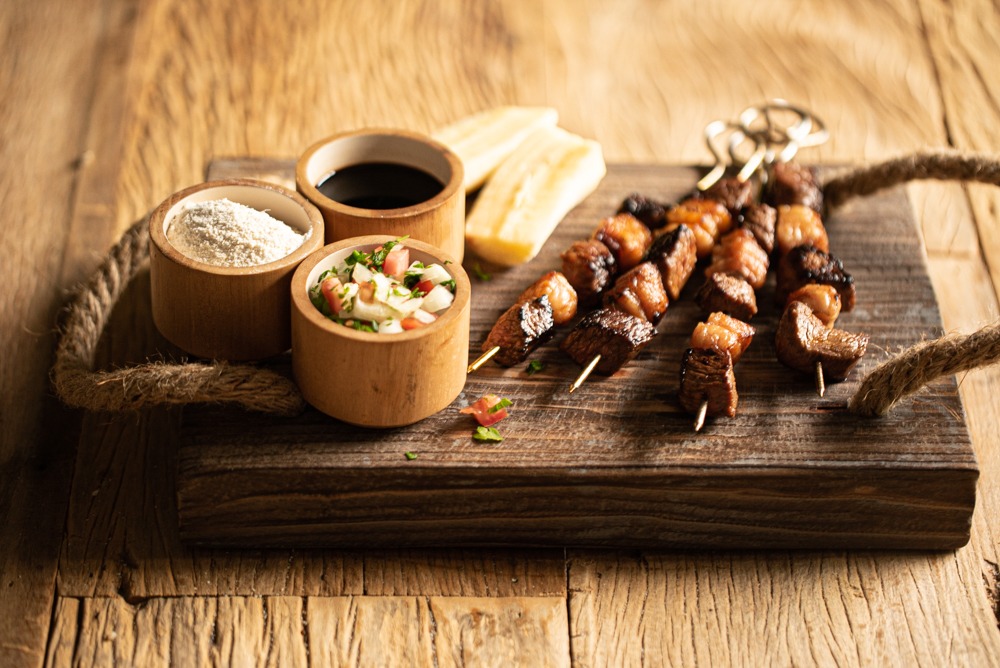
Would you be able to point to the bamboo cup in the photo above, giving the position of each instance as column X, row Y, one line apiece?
column 439, row 221
column 371, row 379
column 229, row 313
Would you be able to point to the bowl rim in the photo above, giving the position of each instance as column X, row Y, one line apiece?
column 158, row 235
column 309, row 189
column 302, row 304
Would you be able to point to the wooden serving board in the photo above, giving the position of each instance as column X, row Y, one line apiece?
column 617, row 463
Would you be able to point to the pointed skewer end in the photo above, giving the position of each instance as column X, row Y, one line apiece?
column 482, row 359
column 699, row 420
column 583, row 374
column 820, row 381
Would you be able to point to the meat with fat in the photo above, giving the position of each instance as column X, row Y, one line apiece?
column 675, row 255
column 727, row 293
column 639, row 292
column 707, row 377
column 589, row 267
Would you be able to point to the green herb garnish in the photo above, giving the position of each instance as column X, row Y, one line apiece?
column 450, row 284
column 480, row 274
column 378, row 257
column 365, row 326
column 410, row 455
column 414, row 274
column 500, row 405
column 534, row 366
column 487, row 434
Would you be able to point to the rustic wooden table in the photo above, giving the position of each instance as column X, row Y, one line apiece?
column 109, row 106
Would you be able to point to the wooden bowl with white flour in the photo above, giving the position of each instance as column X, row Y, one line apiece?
column 222, row 255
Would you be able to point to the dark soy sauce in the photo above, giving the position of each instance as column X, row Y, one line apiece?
column 379, row 185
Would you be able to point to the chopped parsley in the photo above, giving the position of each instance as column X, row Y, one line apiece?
column 410, row 455
column 534, row 366
column 500, row 405
column 487, row 434
column 450, row 284
column 480, row 274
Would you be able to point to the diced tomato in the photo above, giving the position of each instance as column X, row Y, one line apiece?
column 410, row 322
column 424, row 286
column 397, row 261
column 332, row 287
column 480, row 410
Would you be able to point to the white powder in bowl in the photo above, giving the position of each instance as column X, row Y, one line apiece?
column 228, row 234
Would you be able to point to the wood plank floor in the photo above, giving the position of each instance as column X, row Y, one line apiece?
column 110, row 106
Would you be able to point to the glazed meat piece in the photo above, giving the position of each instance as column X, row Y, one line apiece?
column 627, row 239
column 739, row 253
column 760, row 219
column 799, row 225
column 723, row 332
column 589, row 267
column 675, row 255
column 707, row 218
column 650, row 212
column 808, row 264
column 707, row 376
column 792, row 183
column 802, row 340
column 639, row 292
column 614, row 335
column 822, row 300
column 727, row 293
column 561, row 295
column 731, row 193
column 521, row 329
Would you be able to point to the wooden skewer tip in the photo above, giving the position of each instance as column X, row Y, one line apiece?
column 583, row 374
column 820, row 381
column 482, row 359
column 699, row 420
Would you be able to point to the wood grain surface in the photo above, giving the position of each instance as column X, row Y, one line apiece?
column 615, row 464
column 110, row 106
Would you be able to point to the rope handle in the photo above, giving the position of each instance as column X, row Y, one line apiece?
column 263, row 390
column 153, row 383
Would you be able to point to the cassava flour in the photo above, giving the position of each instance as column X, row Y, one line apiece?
column 228, row 234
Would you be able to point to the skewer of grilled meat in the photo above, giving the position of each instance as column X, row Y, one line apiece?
column 708, row 384
column 644, row 292
column 548, row 302
column 811, row 282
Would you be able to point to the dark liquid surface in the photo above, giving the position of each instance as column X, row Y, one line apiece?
column 379, row 185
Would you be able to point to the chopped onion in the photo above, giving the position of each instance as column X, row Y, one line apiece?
column 437, row 299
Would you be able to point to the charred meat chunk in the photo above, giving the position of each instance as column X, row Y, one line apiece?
column 627, row 239
column 562, row 296
column 675, row 255
column 739, row 253
column 707, row 376
column 761, row 220
column 802, row 340
column 808, row 264
column 723, row 332
column 799, row 225
column 727, row 293
column 521, row 329
column 589, row 267
column 823, row 300
column 707, row 218
column 649, row 211
column 639, row 292
column 614, row 335
column 731, row 193
column 793, row 183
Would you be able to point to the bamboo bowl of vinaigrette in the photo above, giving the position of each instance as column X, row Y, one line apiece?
column 237, row 313
column 374, row 379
